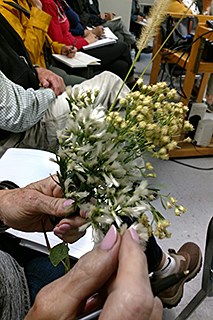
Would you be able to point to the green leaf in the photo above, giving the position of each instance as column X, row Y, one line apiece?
column 59, row 253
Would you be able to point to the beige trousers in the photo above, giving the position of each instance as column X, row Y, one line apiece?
column 43, row 134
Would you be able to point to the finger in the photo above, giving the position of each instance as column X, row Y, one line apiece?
column 45, row 83
column 157, row 312
column 37, row 203
column 68, row 229
column 82, row 281
column 131, row 296
column 49, row 186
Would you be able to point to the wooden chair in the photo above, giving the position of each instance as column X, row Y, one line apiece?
column 207, row 278
column 192, row 64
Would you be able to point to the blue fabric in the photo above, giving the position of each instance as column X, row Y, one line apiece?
column 39, row 272
column 76, row 27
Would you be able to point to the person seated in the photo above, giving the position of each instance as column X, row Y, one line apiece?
column 76, row 27
column 31, row 115
column 90, row 16
column 30, row 118
column 137, row 17
column 102, row 281
column 115, row 57
column 31, row 24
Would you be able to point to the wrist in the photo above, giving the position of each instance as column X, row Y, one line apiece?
column 5, row 187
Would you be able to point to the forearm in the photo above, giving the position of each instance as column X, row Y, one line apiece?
column 20, row 109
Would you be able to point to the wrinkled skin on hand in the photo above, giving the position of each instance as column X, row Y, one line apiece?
column 30, row 208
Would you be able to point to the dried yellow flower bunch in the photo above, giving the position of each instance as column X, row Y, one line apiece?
column 151, row 116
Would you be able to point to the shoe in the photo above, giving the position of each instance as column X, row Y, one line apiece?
column 148, row 49
column 189, row 258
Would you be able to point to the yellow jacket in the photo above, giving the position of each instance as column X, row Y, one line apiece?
column 32, row 30
column 178, row 7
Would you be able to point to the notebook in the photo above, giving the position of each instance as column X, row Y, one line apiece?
column 99, row 43
column 81, row 60
column 24, row 166
column 108, row 34
column 108, row 38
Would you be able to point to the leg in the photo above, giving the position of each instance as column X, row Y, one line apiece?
column 111, row 55
column 163, row 265
column 39, row 272
column 107, row 83
column 14, row 298
column 69, row 79
column 118, row 27
column 43, row 134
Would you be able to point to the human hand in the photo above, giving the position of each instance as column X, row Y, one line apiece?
column 129, row 296
column 49, row 79
column 29, row 208
column 69, row 51
column 91, row 37
column 36, row 3
column 109, row 15
column 98, row 31
column 140, row 18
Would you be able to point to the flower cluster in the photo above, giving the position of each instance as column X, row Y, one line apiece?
column 153, row 117
column 101, row 159
column 101, row 152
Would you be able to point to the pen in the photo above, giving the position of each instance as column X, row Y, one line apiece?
column 157, row 287
column 72, row 48
column 74, row 43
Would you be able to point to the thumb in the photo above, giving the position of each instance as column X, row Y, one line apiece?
column 95, row 268
column 43, row 204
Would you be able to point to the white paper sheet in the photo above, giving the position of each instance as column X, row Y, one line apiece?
column 24, row 166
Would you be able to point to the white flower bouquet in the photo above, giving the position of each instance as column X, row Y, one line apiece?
column 101, row 157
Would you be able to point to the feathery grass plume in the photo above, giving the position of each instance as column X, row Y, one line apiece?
column 164, row 42
column 155, row 18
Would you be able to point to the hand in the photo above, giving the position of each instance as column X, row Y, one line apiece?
column 109, row 15
column 36, row 3
column 49, row 79
column 129, row 296
column 91, row 37
column 139, row 18
column 98, row 31
column 28, row 209
column 86, row 32
column 68, row 51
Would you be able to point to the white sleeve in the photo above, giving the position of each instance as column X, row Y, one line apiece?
column 21, row 109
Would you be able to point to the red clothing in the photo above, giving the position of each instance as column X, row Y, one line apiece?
column 59, row 25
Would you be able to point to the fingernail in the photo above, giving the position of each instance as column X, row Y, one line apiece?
column 68, row 203
column 83, row 214
column 110, row 239
column 62, row 228
column 134, row 235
